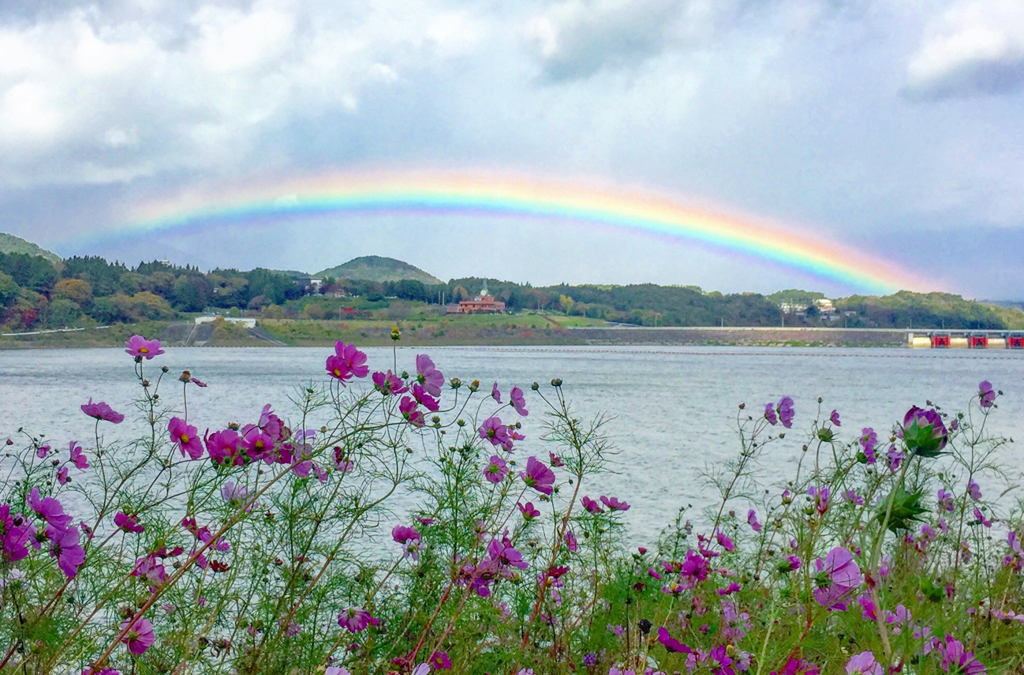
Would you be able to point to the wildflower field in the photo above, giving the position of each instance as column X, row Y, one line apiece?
column 392, row 522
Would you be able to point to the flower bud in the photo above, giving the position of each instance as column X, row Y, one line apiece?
column 556, row 382
column 455, row 383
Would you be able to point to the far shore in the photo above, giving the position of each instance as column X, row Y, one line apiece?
column 304, row 333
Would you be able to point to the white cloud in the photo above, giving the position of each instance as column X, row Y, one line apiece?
column 973, row 48
column 201, row 93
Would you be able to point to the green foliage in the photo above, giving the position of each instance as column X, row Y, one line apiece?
column 380, row 269
column 12, row 244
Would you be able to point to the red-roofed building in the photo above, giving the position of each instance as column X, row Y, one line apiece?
column 483, row 303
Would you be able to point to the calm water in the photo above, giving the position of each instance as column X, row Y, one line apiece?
column 674, row 408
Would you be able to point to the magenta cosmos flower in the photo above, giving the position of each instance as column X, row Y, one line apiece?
column 49, row 509
column 519, row 401
column 186, row 436
column 354, row 619
column 65, row 548
column 128, row 523
column 409, row 538
column 388, row 383
column 428, row 376
column 528, row 510
column 407, row 406
column 923, row 432
column 538, row 476
column 496, row 470
column 347, row 362
column 495, row 394
column 141, row 348
column 102, row 411
column 835, row 418
column 222, row 447
column 77, row 457
column 614, row 503
column 494, row 431
column 17, row 534
column 590, row 505
column 139, row 637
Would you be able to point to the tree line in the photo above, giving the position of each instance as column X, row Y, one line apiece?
column 35, row 293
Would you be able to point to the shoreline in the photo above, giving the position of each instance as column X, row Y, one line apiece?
column 284, row 333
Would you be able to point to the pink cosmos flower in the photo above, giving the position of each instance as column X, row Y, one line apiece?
column 41, row 452
column 495, row 394
column 974, row 489
column 556, row 461
column 590, row 505
column 821, row 495
column 725, row 541
column 496, row 470
column 614, row 503
column 65, row 548
column 62, row 475
column 409, row 538
column 519, row 401
column 769, row 414
column 140, row 348
column 570, row 541
column 128, row 523
column 837, row 576
column 102, row 411
column 868, row 442
column 528, row 510
column 495, row 432
column 186, row 436
column 354, row 619
column 986, row 396
column 946, row 501
column 140, row 635
column 853, row 497
column 336, row 670
column 981, row 519
column 786, row 412
column 428, row 376
column 835, row 418
column 752, row 520
column 49, row 509
column 77, row 457
column 956, row 659
column 863, row 664
column 538, row 476
column 388, row 384
column 234, row 493
column 407, row 407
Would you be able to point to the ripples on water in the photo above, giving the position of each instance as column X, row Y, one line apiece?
column 673, row 409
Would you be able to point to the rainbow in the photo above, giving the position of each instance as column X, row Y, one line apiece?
column 437, row 193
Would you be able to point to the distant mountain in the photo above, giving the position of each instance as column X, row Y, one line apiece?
column 11, row 244
column 379, row 268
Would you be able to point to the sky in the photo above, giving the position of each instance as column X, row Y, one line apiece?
column 892, row 127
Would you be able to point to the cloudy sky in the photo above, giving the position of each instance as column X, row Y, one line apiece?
column 891, row 126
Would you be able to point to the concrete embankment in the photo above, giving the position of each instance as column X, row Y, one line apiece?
column 817, row 337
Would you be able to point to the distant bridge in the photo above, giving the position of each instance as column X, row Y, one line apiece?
column 966, row 339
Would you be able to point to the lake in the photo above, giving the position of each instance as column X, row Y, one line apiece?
column 673, row 409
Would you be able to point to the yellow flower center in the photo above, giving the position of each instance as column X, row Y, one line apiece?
column 184, row 438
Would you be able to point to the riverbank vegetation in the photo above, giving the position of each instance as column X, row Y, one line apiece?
column 40, row 293
column 410, row 521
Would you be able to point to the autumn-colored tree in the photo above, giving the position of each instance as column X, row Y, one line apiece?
column 566, row 302
column 78, row 291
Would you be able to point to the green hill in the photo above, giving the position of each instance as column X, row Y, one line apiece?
column 11, row 244
column 379, row 268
